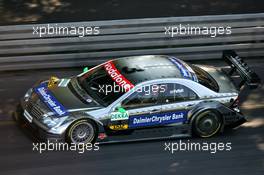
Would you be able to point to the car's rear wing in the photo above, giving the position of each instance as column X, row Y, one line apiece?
column 238, row 65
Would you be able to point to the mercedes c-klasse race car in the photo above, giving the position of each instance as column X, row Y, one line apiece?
column 138, row 98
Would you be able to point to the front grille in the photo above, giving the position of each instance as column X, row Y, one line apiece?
column 36, row 108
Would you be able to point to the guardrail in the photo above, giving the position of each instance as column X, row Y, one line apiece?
column 20, row 49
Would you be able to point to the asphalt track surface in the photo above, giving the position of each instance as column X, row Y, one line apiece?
column 148, row 157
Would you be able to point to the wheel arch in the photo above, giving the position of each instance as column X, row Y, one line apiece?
column 97, row 124
column 215, row 106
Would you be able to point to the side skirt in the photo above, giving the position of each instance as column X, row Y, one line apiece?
column 167, row 132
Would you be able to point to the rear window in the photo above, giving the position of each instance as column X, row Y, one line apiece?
column 205, row 79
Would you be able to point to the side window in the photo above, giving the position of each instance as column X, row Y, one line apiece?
column 143, row 97
column 178, row 93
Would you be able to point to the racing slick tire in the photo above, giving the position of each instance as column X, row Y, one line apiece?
column 82, row 131
column 207, row 124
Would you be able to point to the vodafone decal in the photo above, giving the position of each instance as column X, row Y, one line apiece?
column 117, row 77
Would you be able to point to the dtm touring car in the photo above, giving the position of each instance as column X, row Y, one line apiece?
column 138, row 98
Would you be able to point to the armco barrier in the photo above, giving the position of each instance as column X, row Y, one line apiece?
column 20, row 49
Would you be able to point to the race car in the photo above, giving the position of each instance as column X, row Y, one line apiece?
column 138, row 98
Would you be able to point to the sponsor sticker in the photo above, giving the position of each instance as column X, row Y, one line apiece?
column 157, row 119
column 119, row 127
column 102, row 136
column 185, row 70
column 115, row 116
column 117, row 76
column 50, row 100
column 176, row 91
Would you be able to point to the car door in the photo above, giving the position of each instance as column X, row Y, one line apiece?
column 137, row 109
column 177, row 101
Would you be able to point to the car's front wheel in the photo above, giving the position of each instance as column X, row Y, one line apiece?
column 82, row 131
column 207, row 123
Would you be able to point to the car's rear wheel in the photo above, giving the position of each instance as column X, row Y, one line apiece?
column 82, row 131
column 207, row 123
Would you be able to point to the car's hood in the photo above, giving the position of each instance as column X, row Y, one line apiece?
column 64, row 98
column 69, row 100
column 224, row 82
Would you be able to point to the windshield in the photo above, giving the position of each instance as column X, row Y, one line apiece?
column 100, row 86
column 205, row 79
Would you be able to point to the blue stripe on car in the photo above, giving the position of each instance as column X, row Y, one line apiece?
column 181, row 67
column 194, row 77
column 52, row 103
column 157, row 119
column 184, row 71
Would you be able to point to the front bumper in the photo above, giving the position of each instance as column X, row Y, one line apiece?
column 34, row 128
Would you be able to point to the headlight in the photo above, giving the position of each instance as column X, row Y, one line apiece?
column 53, row 121
column 28, row 94
column 49, row 122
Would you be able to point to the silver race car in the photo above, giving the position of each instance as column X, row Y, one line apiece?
column 138, row 98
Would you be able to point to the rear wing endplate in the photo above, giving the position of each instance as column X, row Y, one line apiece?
column 238, row 65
